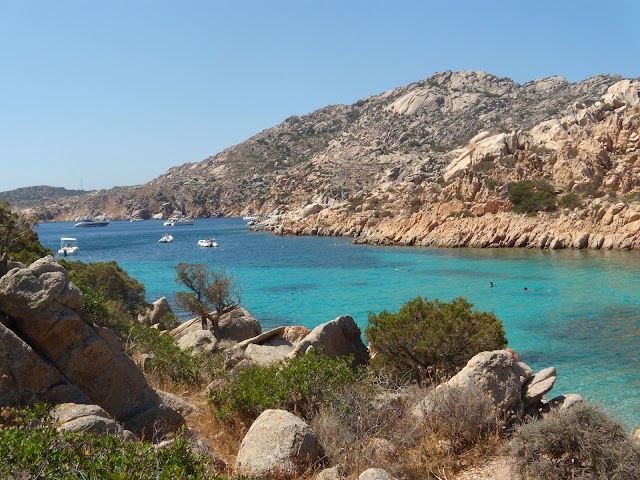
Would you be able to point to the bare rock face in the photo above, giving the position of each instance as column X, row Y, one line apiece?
column 278, row 445
column 25, row 377
column 336, row 338
column 42, row 306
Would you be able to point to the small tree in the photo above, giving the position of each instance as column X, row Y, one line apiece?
column 18, row 241
column 530, row 196
column 207, row 290
column 428, row 337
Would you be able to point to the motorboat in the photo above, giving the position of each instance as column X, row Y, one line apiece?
column 248, row 218
column 178, row 221
column 137, row 219
column 166, row 238
column 68, row 246
column 207, row 242
column 92, row 223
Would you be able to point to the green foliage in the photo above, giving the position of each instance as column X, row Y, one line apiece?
column 299, row 384
column 207, row 290
column 31, row 447
column 427, row 338
column 168, row 362
column 110, row 280
column 570, row 200
column 532, row 196
column 114, row 305
column 485, row 165
column 18, row 241
column 582, row 443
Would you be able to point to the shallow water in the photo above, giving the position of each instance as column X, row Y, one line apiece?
column 580, row 312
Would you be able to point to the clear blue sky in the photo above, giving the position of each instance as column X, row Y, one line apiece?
column 115, row 92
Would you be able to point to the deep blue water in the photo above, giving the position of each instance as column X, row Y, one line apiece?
column 581, row 312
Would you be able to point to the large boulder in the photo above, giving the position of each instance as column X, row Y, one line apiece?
column 25, row 377
column 278, row 445
column 43, row 307
column 336, row 338
column 238, row 325
column 497, row 374
column 158, row 309
column 198, row 339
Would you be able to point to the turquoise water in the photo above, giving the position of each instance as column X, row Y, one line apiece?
column 581, row 312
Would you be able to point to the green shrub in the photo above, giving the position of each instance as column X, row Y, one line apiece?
column 18, row 241
column 532, row 196
column 108, row 278
column 299, row 384
column 581, row 443
column 31, row 447
column 428, row 338
column 485, row 165
column 570, row 200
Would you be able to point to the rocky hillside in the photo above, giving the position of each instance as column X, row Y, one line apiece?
column 432, row 163
column 344, row 152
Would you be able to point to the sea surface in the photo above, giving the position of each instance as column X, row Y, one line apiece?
column 580, row 311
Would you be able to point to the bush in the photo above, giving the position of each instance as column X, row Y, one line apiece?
column 425, row 339
column 532, row 196
column 108, row 278
column 581, row 443
column 299, row 384
column 18, row 241
column 570, row 200
column 31, row 447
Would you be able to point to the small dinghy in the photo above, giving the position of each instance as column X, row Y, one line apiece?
column 207, row 242
column 166, row 238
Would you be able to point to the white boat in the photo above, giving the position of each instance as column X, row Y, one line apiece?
column 178, row 221
column 207, row 242
column 137, row 219
column 68, row 246
column 91, row 223
column 166, row 238
column 248, row 218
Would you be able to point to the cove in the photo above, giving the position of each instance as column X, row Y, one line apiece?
column 579, row 313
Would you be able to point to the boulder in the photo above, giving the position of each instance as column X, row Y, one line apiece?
column 238, row 325
column 44, row 305
column 332, row 473
column 336, row 338
column 158, row 309
column 265, row 355
column 496, row 374
column 566, row 402
column 71, row 417
column 280, row 445
column 376, row 474
column 541, row 383
column 199, row 339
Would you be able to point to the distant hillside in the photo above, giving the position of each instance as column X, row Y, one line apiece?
column 37, row 194
column 391, row 167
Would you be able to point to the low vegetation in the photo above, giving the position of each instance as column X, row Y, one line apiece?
column 581, row 443
column 31, row 447
column 18, row 240
column 528, row 196
column 429, row 340
column 299, row 384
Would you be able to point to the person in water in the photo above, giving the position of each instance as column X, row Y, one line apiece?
column 491, row 284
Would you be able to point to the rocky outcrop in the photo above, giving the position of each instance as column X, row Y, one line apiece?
column 337, row 338
column 235, row 326
column 509, row 384
column 41, row 306
column 158, row 309
column 409, row 134
column 279, row 445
